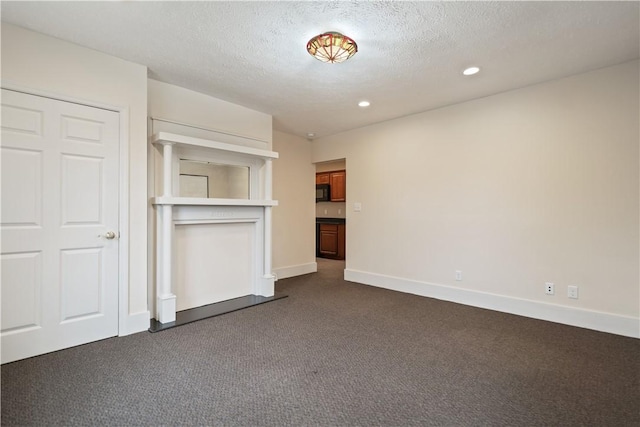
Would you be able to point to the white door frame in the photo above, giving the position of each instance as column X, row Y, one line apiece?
column 123, row 187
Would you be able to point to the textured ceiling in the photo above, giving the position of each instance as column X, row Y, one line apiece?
column 410, row 54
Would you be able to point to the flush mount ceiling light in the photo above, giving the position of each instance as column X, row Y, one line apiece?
column 471, row 71
column 332, row 47
column 364, row 104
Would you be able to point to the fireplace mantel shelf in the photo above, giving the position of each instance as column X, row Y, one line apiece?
column 193, row 201
column 171, row 138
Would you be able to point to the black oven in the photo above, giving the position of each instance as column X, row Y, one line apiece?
column 323, row 193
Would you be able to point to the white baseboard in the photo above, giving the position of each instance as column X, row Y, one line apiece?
column 589, row 319
column 134, row 323
column 295, row 270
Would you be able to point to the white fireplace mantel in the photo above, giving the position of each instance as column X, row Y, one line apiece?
column 172, row 210
column 172, row 138
column 193, row 201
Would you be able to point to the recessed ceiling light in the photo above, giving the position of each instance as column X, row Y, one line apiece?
column 311, row 135
column 470, row 71
column 364, row 103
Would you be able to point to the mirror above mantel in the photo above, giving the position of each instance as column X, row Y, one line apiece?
column 205, row 172
column 203, row 179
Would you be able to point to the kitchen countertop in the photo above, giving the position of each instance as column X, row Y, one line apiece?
column 331, row 220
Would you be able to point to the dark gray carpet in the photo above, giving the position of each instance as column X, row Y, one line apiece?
column 337, row 353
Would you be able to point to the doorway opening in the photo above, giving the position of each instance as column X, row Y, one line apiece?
column 331, row 212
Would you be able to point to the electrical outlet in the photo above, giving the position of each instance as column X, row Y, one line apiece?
column 572, row 292
column 549, row 288
column 458, row 275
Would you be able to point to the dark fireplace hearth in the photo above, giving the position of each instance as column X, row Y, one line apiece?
column 211, row 310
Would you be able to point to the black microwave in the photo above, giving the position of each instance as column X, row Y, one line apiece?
column 323, row 193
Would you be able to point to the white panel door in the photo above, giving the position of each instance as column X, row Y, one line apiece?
column 59, row 224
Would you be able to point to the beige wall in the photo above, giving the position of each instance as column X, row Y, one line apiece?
column 185, row 106
column 514, row 190
column 331, row 210
column 67, row 71
column 334, row 165
column 294, row 217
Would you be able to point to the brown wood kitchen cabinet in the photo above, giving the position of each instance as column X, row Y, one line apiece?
column 338, row 182
column 323, row 178
column 331, row 241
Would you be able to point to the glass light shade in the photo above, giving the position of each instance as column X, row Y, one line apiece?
column 332, row 47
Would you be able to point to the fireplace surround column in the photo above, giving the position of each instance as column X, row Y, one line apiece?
column 267, row 278
column 166, row 300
